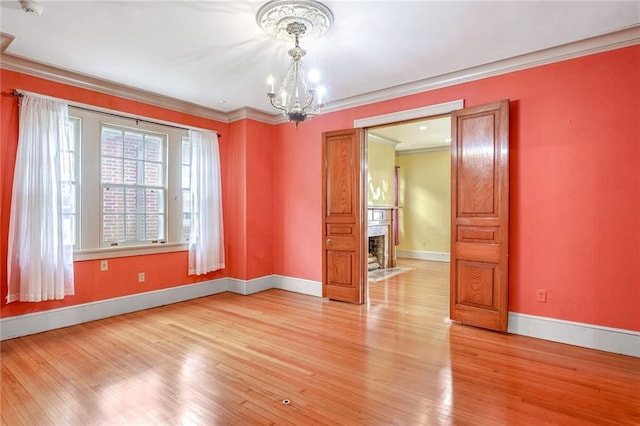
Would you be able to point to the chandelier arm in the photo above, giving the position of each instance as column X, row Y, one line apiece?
column 311, row 99
column 280, row 107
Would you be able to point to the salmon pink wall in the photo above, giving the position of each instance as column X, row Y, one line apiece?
column 161, row 270
column 234, row 200
column 249, row 205
column 575, row 185
column 297, row 199
column 575, row 189
column 260, row 216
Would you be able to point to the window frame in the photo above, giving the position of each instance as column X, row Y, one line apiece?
column 89, row 208
column 184, row 235
column 162, row 188
column 75, row 130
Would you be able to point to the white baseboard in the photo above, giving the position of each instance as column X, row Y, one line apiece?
column 38, row 322
column 625, row 342
column 23, row 325
column 298, row 285
column 251, row 286
column 424, row 255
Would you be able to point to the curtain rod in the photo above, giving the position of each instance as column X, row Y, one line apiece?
column 20, row 94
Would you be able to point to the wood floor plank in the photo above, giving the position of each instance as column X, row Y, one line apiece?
column 231, row 359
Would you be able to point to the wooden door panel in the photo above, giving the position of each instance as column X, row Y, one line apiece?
column 476, row 166
column 482, row 294
column 477, row 221
column 340, row 271
column 340, row 157
column 479, row 279
column 340, row 243
column 479, row 215
column 475, row 251
column 486, row 234
column 343, row 263
column 339, row 229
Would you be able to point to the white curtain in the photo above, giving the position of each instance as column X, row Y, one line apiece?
column 40, row 254
column 206, row 241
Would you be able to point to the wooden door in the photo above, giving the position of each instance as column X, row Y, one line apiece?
column 344, row 216
column 480, row 215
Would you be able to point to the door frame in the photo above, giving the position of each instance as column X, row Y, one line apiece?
column 409, row 114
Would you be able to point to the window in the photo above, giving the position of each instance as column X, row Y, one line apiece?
column 186, row 188
column 69, row 183
column 133, row 185
column 131, row 181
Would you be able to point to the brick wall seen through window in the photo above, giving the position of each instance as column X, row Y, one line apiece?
column 133, row 184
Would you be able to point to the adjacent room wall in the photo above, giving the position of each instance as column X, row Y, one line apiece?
column 425, row 202
column 381, row 174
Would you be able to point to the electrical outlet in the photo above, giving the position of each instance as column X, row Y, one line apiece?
column 104, row 265
column 140, row 277
column 541, row 295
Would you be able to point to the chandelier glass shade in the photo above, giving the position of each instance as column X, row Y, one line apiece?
column 298, row 98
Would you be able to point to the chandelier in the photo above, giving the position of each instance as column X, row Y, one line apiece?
column 297, row 99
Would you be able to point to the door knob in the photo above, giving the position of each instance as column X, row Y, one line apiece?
column 329, row 242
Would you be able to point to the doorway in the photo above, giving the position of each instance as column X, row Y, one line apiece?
column 409, row 173
column 479, row 210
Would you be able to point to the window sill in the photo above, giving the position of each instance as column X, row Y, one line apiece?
column 111, row 252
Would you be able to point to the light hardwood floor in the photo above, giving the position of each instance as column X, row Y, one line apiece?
column 231, row 359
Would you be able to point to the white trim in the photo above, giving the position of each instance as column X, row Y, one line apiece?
column 423, row 150
column 298, row 285
column 23, row 325
column 115, row 114
column 5, row 41
column 409, row 114
column 424, row 255
column 616, row 340
column 602, row 43
column 124, row 251
column 254, row 114
column 38, row 322
column 625, row 342
column 48, row 72
column 254, row 285
column 382, row 139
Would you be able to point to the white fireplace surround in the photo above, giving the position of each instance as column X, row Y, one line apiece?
column 381, row 255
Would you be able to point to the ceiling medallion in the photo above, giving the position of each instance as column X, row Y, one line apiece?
column 274, row 17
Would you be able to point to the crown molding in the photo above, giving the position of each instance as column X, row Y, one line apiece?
column 615, row 40
column 382, row 139
column 423, row 150
column 254, row 114
column 5, row 41
column 626, row 37
column 48, row 72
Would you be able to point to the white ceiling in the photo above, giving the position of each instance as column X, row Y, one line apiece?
column 212, row 53
column 428, row 134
